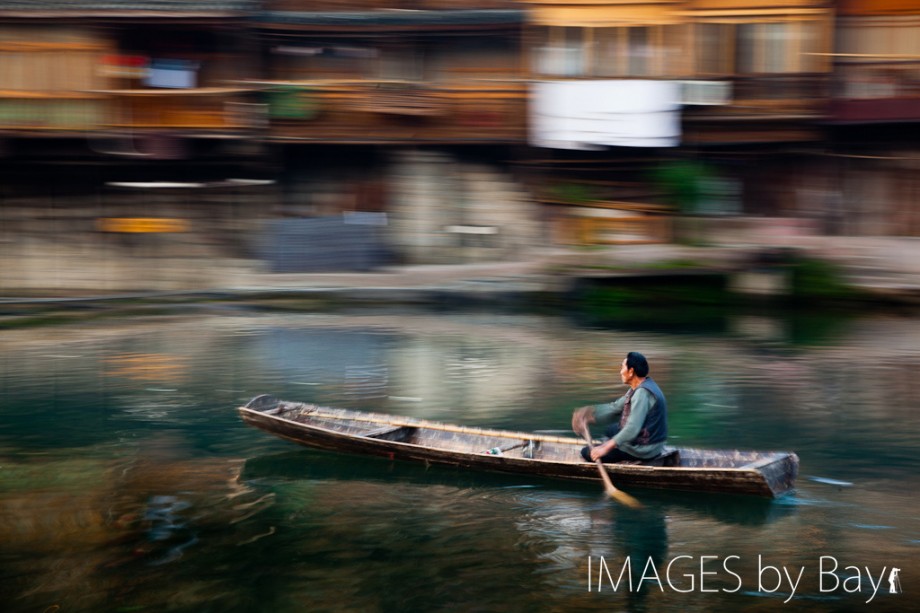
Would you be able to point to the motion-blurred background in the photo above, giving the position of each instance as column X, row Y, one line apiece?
column 176, row 144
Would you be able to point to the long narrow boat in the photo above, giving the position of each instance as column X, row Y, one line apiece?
column 758, row 473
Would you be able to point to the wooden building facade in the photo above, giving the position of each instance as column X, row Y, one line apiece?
column 124, row 79
column 759, row 70
column 591, row 110
column 357, row 73
column 874, row 117
column 877, row 62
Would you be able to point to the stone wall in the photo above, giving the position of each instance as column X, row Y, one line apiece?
column 56, row 244
column 58, row 237
column 444, row 209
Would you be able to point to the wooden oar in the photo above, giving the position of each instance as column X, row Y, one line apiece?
column 612, row 491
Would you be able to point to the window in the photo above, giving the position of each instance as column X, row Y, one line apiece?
column 639, row 53
column 774, row 47
column 671, row 53
column 323, row 60
column 810, row 33
column 745, row 48
column 560, row 52
column 712, row 44
column 573, row 51
column 402, row 64
column 606, row 52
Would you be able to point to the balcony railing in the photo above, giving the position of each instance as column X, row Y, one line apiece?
column 361, row 111
column 762, row 108
column 767, row 98
column 792, row 90
column 207, row 108
column 875, row 90
column 372, row 5
column 42, row 111
column 399, row 99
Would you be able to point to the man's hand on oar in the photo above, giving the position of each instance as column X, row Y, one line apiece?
column 581, row 419
column 612, row 491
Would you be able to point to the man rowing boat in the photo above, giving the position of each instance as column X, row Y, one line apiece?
column 642, row 429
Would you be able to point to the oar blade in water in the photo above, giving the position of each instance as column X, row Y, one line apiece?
column 624, row 498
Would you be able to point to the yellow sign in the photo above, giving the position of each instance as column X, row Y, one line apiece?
column 142, row 225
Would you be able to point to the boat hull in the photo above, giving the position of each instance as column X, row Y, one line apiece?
column 765, row 474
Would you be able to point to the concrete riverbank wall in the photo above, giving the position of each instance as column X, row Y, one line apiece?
column 398, row 219
column 96, row 232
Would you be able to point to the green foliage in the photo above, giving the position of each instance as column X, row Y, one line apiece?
column 573, row 193
column 683, row 183
column 292, row 102
column 809, row 328
column 667, row 294
column 692, row 301
column 819, row 280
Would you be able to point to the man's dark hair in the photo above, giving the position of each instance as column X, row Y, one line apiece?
column 638, row 363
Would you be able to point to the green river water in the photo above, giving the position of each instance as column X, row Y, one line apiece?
column 128, row 481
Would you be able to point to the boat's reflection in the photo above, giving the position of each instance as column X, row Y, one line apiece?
column 314, row 465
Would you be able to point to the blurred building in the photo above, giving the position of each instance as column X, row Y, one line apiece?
column 125, row 79
column 331, row 134
column 874, row 111
column 394, row 122
column 720, row 103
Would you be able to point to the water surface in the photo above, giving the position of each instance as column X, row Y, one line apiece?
column 129, row 483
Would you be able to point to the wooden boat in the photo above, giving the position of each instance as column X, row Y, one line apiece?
column 758, row 473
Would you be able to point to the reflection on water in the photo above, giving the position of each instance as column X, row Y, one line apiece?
column 83, row 532
column 127, row 481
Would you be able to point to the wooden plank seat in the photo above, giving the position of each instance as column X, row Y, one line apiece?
column 391, row 433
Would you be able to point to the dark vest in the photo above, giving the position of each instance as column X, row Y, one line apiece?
column 655, row 428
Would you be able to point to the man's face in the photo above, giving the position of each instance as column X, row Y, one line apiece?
column 626, row 374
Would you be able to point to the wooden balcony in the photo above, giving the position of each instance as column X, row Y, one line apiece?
column 787, row 92
column 875, row 91
column 206, row 109
column 375, row 5
column 29, row 111
column 72, row 81
column 397, row 112
column 761, row 108
column 399, row 99
column 46, row 75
